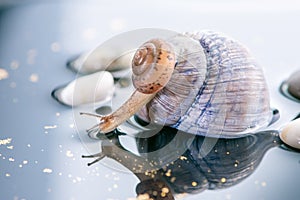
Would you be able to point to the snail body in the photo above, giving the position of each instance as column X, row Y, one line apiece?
column 207, row 84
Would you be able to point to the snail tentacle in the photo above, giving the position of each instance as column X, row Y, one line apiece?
column 152, row 68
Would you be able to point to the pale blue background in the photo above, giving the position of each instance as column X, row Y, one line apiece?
column 269, row 28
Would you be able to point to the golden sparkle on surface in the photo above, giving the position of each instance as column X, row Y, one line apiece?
column 34, row 78
column 168, row 173
column 194, row 183
column 5, row 141
column 69, row 154
column 47, row 170
column 3, row 74
column 223, row 180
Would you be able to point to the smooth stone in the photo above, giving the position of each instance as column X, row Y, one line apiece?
column 290, row 134
column 101, row 59
column 294, row 84
column 93, row 88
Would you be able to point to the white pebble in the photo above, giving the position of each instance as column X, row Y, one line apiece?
column 102, row 59
column 290, row 134
column 91, row 88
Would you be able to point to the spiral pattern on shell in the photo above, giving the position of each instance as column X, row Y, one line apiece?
column 152, row 66
column 217, row 88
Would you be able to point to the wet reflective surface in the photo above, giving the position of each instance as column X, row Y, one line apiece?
column 41, row 141
column 205, row 164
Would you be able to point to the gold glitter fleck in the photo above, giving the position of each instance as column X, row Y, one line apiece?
column 223, row 180
column 7, row 175
column 25, row 162
column 165, row 190
column 143, row 197
column 183, row 158
column 69, row 154
column 11, row 159
column 5, row 141
column 227, row 152
column 34, row 78
column 173, row 179
column 47, row 170
column 168, row 173
column 194, row 183
column 3, row 74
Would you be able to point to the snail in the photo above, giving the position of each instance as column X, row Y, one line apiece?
column 200, row 83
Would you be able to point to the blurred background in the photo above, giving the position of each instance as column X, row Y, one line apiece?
column 40, row 150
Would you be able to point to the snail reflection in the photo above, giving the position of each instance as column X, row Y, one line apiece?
column 164, row 172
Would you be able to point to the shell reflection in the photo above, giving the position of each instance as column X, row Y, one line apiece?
column 188, row 166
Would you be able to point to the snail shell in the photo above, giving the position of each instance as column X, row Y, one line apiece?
column 202, row 83
column 216, row 87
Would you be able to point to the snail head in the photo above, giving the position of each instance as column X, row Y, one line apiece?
column 152, row 68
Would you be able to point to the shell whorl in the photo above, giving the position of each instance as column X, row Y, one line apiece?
column 177, row 96
column 216, row 88
column 152, row 66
